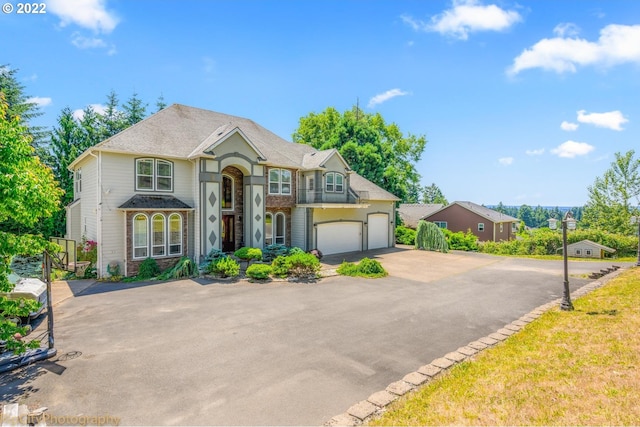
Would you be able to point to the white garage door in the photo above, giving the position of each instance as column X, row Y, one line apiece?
column 378, row 231
column 338, row 237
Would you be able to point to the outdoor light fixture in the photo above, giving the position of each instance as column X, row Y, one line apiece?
column 568, row 223
column 636, row 220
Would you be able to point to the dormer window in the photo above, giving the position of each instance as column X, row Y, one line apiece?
column 154, row 175
column 279, row 181
column 334, row 182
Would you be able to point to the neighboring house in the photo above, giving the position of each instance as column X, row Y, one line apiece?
column 485, row 223
column 587, row 249
column 185, row 181
column 411, row 213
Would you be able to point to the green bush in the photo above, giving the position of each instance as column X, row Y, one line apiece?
column 300, row 264
column 259, row 271
column 366, row 268
column 148, row 269
column 461, row 241
column 249, row 254
column 430, row 237
column 271, row 252
column 185, row 267
column 225, row 267
column 405, row 235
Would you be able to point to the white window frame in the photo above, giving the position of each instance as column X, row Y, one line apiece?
column 155, row 175
column 578, row 251
column 280, row 220
column 233, row 185
column 283, row 187
column 337, row 182
column 501, row 227
column 587, row 252
column 441, row 224
column 171, row 241
column 161, row 248
column 146, row 236
column 268, row 232
column 78, row 181
column 481, row 226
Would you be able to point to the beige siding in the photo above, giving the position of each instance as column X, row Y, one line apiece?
column 298, row 228
column 89, row 199
column 235, row 144
column 348, row 214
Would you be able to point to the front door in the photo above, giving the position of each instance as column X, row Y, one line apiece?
column 228, row 239
column 311, row 191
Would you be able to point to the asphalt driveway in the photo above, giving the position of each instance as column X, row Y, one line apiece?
column 198, row 353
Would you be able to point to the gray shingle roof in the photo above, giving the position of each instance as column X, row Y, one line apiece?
column 368, row 190
column 484, row 212
column 141, row 202
column 411, row 213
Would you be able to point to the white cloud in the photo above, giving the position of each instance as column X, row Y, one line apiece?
column 90, row 14
column 610, row 120
column 82, row 42
column 537, row 152
column 39, row 101
column 568, row 126
column 98, row 108
column 383, row 97
column 617, row 44
column 506, row 161
column 566, row 29
column 571, row 149
column 467, row 16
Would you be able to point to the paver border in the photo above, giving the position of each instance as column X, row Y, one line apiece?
column 377, row 403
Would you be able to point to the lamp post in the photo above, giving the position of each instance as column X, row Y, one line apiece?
column 568, row 222
column 636, row 220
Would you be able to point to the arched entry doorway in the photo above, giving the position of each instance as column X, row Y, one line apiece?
column 232, row 209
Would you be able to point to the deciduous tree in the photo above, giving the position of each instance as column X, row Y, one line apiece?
column 374, row 149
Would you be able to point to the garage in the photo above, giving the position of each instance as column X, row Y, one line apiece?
column 378, row 231
column 338, row 237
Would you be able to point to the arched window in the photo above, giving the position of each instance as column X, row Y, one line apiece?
column 175, row 234
column 280, row 228
column 268, row 229
column 158, row 246
column 140, row 236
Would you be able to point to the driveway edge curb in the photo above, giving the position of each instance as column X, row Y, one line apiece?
column 377, row 403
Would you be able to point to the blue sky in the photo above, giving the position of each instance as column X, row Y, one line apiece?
column 523, row 102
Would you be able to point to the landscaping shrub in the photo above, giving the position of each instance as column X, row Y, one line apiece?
column 300, row 264
column 259, row 271
column 430, row 237
column 461, row 241
column 148, row 269
column 366, row 268
column 185, row 267
column 405, row 235
column 271, row 252
column 303, row 265
column 249, row 254
column 280, row 267
column 225, row 267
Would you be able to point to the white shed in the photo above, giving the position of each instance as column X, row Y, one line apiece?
column 588, row 249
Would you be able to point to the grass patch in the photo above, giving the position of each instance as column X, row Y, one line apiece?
column 566, row 368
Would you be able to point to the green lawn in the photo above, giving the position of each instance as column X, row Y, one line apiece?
column 566, row 368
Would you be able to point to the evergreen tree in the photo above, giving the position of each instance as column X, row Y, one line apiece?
column 113, row 121
column 432, row 194
column 160, row 104
column 134, row 110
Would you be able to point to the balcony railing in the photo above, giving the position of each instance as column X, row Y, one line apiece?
column 318, row 195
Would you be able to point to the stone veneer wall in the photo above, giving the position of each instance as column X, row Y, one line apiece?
column 163, row 262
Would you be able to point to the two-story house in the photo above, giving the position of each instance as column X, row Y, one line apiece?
column 187, row 180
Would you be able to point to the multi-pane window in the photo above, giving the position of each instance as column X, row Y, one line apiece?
column 175, row 234
column 157, row 237
column 334, row 182
column 279, row 181
column 78, row 181
column 154, row 175
column 481, row 226
column 140, row 236
column 227, row 192
column 441, row 224
column 268, row 229
column 275, row 224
